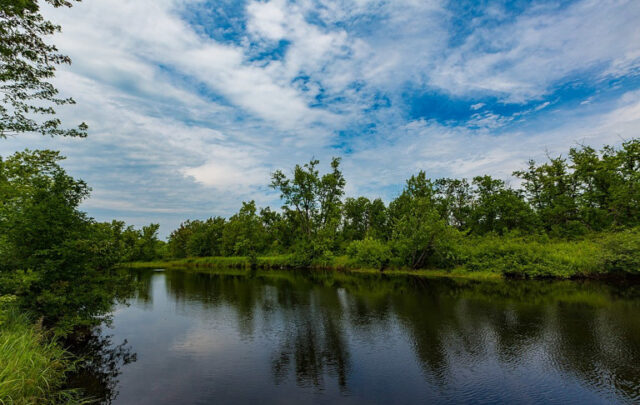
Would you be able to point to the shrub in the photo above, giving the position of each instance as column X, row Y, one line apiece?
column 621, row 252
column 530, row 258
column 369, row 253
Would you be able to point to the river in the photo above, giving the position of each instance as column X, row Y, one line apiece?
column 190, row 337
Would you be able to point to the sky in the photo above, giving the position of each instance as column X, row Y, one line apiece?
column 192, row 104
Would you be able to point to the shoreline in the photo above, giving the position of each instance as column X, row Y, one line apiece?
column 280, row 263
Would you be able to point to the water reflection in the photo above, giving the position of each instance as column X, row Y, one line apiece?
column 321, row 337
column 102, row 362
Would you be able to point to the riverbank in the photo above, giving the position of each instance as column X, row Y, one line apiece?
column 282, row 263
column 609, row 255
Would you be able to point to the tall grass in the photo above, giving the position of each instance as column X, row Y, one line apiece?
column 33, row 367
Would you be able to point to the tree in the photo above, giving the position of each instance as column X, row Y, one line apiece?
column 420, row 236
column 206, row 237
column 378, row 220
column 355, row 218
column 243, row 235
column 279, row 230
column 454, row 198
column 313, row 203
column 27, row 62
column 362, row 218
column 552, row 191
column 53, row 257
column 497, row 208
column 179, row 238
column 609, row 184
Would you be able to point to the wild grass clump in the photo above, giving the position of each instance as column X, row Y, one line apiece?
column 33, row 367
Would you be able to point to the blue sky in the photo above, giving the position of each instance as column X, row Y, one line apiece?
column 192, row 104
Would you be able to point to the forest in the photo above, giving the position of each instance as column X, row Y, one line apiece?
column 573, row 216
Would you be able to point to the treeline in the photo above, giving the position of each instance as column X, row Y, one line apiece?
column 586, row 195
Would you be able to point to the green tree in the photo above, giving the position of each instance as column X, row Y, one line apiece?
column 313, row 203
column 54, row 258
column 27, row 62
column 609, row 184
column 243, row 235
column 420, row 236
column 355, row 214
column 362, row 218
column 179, row 238
column 206, row 237
column 552, row 191
column 497, row 208
column 454, row 198
column 279, row 230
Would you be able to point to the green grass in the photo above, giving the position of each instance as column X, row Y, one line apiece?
column 33, row 368
column 238, row 262
column 284, row 262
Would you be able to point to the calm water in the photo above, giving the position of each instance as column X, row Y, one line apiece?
column 285, row 337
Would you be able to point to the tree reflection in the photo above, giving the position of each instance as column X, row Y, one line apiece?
column 589, row 331
column 101, row 364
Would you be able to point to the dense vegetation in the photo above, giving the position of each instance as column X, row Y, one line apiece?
column 57, row 276
column 56, row 264
column 56, row 260
column 573, row 216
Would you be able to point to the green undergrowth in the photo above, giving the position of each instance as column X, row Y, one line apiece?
column 597, row 256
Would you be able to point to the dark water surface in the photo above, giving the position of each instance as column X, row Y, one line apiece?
column 314, row 337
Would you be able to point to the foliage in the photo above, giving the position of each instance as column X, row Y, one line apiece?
column 54, row 258
column 621, row 252
column 243, row 235
column 197, row 238
column 420, row 236
column 498, row 208
column 588, row 192
column 138, row 244
column 526, row 257
column 364, row 218
column 369, row 253
column 33, row 368
column 313, row 204
column 574, row 211
column 27, row 62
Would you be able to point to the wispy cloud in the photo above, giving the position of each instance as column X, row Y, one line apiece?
column 192, row 104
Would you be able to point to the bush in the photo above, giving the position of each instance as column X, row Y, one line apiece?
column 369, row 253
column 621, row 252
column 530, row 258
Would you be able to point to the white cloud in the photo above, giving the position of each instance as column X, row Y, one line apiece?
column 523, row 58
column 182, row 123
column 463, row 152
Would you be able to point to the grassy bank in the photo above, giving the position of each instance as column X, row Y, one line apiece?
column 604, row 255
column 33, row 367
column 267, row 263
